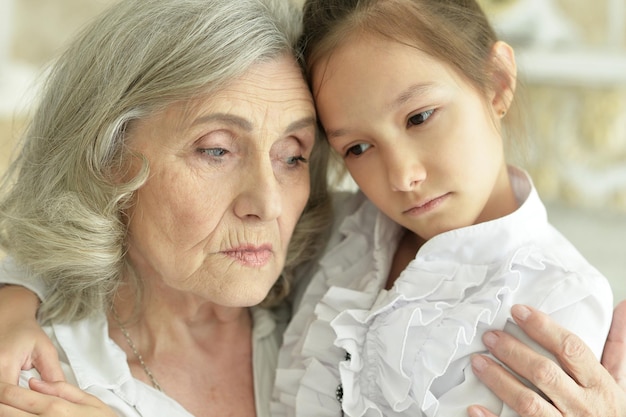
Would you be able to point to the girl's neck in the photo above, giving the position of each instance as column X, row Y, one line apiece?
column 407, row 249
column 502, row 201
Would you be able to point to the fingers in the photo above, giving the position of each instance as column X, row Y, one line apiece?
column 46, row 361
column 23, row 344
column 87, row 403
column 478, row 411
column 45, row 399
column 509, row 389
column 570, row 351
column 586, row 389
column 8, row 411
column 614, row 356
column 19, row 401
column 9, row 370
column 566, row 392
column 63, row 390
column 32, row 349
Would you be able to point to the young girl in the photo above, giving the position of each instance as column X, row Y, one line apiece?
column 445, row 236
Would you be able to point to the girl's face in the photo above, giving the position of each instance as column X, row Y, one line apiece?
column 420, row 141
column 226, row 188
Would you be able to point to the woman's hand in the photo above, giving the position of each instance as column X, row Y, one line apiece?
column 50, row 399
column 614, row 356
column 581, row 386
column 23, row 344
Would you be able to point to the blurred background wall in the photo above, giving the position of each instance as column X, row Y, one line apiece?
column 572, row 68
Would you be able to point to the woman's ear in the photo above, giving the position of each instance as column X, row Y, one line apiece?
column 504, row 77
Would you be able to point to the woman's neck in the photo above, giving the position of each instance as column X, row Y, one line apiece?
column 166, row 317
column 196, row 351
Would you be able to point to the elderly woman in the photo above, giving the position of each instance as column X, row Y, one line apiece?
column 156, row 195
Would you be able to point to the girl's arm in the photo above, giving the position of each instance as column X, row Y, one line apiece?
column 23, row 344
column 51, row 399
column 581, row 388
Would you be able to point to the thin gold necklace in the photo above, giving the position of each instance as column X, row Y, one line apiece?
column 130, row 342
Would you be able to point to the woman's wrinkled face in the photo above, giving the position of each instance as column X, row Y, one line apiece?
column 226, row 186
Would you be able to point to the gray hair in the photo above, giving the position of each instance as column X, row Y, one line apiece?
column 61, row 208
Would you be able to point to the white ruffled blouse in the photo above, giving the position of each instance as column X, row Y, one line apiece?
column 406, row 351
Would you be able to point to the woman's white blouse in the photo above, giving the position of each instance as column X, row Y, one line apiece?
column 406, row 351
column 95, row 363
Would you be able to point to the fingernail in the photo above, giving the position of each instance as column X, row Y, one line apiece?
column 490, row 339
column 36, row 381
column 520, row 312
column 475, row 412
column 478, row 363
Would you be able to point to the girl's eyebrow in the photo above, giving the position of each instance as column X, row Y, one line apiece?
column 334, row 134
column 413, row 91
column 406, row 95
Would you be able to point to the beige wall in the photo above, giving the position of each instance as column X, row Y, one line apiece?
column 591, row 16
column 41, row 27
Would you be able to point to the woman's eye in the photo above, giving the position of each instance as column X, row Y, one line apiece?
column 421, row 117
column 357, row 149
column 214, row 152
column 297, row 160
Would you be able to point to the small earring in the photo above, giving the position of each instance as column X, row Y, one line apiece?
column 502, row 113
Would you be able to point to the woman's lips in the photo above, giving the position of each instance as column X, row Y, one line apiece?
column 254, row 256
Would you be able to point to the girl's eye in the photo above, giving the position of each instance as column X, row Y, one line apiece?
column 421, row 117
column 357, row 150
column 297, row 160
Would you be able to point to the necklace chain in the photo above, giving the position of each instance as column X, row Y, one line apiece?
column 132, row 346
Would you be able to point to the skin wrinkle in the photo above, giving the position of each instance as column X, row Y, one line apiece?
column 267, row 174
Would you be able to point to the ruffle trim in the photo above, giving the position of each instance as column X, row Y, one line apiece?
column 307, row 376
column 437, row 315
column 345, row 311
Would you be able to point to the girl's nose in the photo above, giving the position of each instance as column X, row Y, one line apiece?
column 405, row 171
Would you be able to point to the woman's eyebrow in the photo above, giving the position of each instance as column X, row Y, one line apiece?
column 301, row 123
column 246, row 125
column 230, row 119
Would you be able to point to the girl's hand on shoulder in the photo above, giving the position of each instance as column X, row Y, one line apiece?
column 579, row 387
column 23, row 344
column 50, row 399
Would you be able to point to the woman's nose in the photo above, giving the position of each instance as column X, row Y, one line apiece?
column 260, row 193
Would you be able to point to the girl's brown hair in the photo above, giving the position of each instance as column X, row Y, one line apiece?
column 456, row 32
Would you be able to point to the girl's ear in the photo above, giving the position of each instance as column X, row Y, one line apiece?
column 504, row 77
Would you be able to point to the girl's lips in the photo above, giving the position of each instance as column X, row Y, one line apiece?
column 427, row 206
